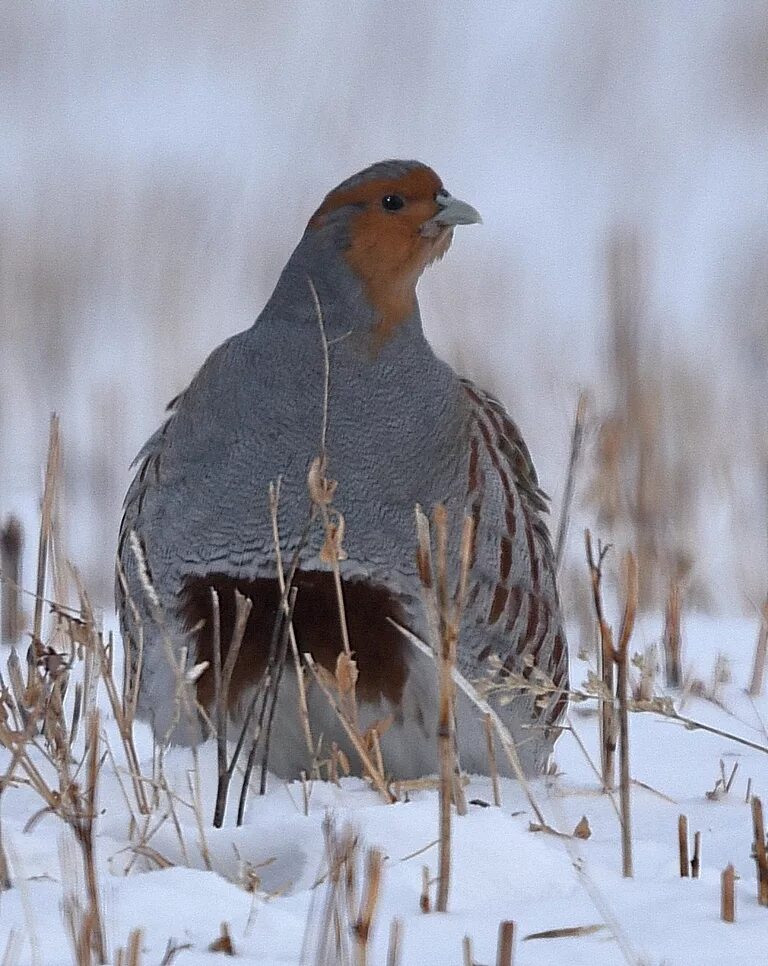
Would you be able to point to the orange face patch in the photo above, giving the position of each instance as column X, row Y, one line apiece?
column 387, row 250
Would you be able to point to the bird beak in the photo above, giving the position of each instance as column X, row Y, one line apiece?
column 451, row 212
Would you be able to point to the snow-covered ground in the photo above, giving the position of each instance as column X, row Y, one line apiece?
column 264, row 874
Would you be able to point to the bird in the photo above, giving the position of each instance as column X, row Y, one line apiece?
column 335, row 399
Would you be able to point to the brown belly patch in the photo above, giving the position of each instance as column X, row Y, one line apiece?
column 379, row 648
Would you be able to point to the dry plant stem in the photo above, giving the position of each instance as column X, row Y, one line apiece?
column 370, row 899
column 577, row 439
column 506, row 739
column 605, row 653
column 46, row 521
column 369, row 766
column 761, row 652
column 682, row 845
column 622, row 661
column 468, row 957
column 425, row 903
column 759, row 850
column 83, row 827
column 448, row 619
column 395, row 948
column 492, row 766
column 11, row 547
column 696, row 859
column 222, row 678
column 131, row 955
column 673, row 636
column 274, row 502
column 728, row 894
column 506, row 945
column 275, row 689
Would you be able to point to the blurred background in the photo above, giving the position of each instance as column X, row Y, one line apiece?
column 158, row 162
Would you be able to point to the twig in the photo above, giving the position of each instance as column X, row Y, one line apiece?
column 395, row 948
column 492, row 766
column 507, row 741
column 577, row 438
column 761, row 651
column 605, row 654
column 11, row 546
column 759, row 851
column 369, row 766
column 506, row 944
column 728, row 894
column 672, row 636
column 682, row 845
column 696, row 859
column 622, row 661
column 222, row 678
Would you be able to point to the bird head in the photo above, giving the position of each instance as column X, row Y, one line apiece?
column 389, row 222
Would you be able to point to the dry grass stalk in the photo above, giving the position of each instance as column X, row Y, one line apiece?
column 492, row 766
column 605, row 659
column 341, row 935
column 274, row 502
column 761, row 652
column 223, row 942
column 52, row 472
column 577, row 440
column 696, row 857
column 425, row 902
column 728, row 894
column 484, row 708
column 395, row 947
column 570, row 932
column 369, row 902
column 329, row 684
column 682, row 845
column 271, row 693
column 759, row 850
column 11, row 547
column 506, row 945
column 622, row 692
column 673, row 635
column 131, row 955
column 468, row 956
column 446, row 615
column 222, row 678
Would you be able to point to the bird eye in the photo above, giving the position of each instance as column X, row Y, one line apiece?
column 392, row 202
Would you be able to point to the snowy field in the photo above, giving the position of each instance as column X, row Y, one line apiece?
column 266, row 880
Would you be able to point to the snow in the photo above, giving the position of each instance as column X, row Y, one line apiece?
column 501, row 869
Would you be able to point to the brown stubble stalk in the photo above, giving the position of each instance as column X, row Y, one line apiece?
column 605, row 656
column 35, row 684
column 673, row 635
column 11, row 547
column 577, row 441
column 222, row 677
column 622, row 663
column 682, row 846
column 492, row 765
column 761, row 653
column 728, row 894
column 444, row 614
column 395, row 947
column 696, row 858
column 274, row 503
column 374, row 862
column 506, row 944
column 759, row 850
column 328, row 685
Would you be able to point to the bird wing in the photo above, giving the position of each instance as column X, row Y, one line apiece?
column 513, row 592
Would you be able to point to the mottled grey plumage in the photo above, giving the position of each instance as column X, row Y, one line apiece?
column 402, row 429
